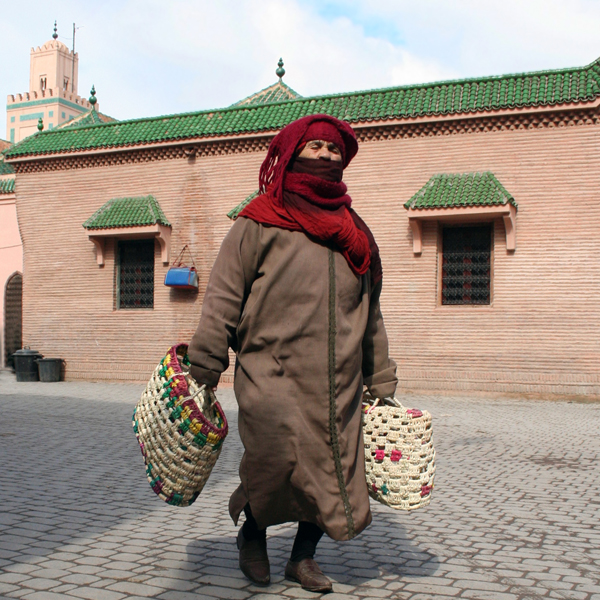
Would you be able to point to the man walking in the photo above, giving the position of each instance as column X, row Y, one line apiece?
column 295, row 293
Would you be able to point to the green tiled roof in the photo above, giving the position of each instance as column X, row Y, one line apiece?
column 278, row 92
column 542, row 88
column 466, row 189
column 88, row 118
column 5, row 168
column 234, row 212
column 7, row 186
column 127, row 212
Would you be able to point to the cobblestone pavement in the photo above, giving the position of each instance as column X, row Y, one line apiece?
column 514, row 514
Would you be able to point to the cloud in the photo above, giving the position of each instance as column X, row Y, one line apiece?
column 151, row 57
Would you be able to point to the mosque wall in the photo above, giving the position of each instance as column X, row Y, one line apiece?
column 540, row 334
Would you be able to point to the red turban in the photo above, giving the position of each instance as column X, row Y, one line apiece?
column 309, row 195
column 286, row 142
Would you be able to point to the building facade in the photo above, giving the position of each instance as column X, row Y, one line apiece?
column 483, row 195
column 11, row 266
column 52, row 101
column 52, row 95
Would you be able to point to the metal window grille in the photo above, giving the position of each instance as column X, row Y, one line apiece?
column 135, row 274
column 466, row 253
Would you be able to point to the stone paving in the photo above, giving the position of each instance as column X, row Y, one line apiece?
column 514, row 514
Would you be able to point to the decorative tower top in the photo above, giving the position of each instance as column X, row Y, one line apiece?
column 55, row 35
column 40, row 124
column 93, row 98
column 280, row 72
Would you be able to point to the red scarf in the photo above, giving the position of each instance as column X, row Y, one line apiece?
column 315, row 201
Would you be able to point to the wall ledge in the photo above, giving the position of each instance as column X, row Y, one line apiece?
column 161, row 232
column 464, row 214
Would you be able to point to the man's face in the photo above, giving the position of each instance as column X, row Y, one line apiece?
column 321, row 149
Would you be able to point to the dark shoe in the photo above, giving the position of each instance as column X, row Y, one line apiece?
column 308, row 574
column 254, row 561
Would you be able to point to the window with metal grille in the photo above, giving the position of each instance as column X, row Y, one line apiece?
column 135, row 274
column 466, row 265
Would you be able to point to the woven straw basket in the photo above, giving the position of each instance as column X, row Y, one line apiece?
column 180, row 427
column 399, row 454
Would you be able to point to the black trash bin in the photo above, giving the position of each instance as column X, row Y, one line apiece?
column 25, row 364
column 49, row 369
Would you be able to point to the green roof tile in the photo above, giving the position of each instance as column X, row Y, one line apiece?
column 127, row 212
column 458, row 190
column 91, row 117
column 5, row 168
column 7, row 186
column 278, row 92
column 542, row 88
column 234, row 212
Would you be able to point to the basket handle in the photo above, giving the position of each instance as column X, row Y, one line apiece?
column 370, row 399
column 204, row 389
column 209, row 392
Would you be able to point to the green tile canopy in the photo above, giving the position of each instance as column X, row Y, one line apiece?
column 234, row 212
column 455, row 190
column 127, row 212
column 7, row 186
column 462, row 197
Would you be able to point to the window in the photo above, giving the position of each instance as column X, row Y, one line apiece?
column 43, row 83
column 135, row 274
column 66, row 84
column 466, row 265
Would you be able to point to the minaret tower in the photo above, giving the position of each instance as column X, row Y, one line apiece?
column 52, row 92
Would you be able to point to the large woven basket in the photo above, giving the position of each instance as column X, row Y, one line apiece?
column 180, row 427
column 399, row 454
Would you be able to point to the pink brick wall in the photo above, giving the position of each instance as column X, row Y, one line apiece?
column 540, row 334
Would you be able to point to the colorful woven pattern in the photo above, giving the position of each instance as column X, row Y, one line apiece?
column 180, row 427
column 399, row 454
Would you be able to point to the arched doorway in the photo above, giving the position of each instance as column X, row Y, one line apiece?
column 13, row 316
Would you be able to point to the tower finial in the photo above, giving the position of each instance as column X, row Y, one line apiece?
column 55, row 35
column 40, row 124
column 93, row 98
column 280, row 72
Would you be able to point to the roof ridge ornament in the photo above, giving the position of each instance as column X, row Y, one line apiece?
column 55, row 35
column 280, row 72
column 93, row 99
column 40, row 124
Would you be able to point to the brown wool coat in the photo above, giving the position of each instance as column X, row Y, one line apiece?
column 299, row 373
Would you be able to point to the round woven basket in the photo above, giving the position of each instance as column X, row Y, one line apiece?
column 399, row 454
column 180, row 427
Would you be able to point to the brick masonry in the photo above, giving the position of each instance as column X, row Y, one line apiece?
column 541, row 333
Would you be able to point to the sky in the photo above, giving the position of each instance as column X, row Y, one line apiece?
column 155, row 57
